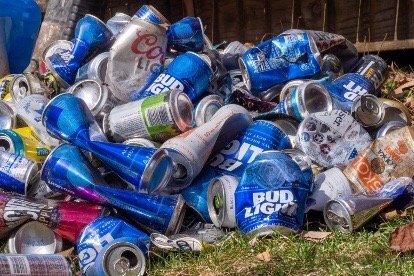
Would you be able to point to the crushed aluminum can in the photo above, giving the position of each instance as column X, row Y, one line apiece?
column 95, row 69
column 220, row 201
column 34, row 264
column 189, row 72
column 206, row 109
column 95, row 95
column 117, row 22
column 306, row 99
column 30, row 110
column 68, row 118
column 290, row 87
column 22, row 141
column 331, row 65
column 271, row 195
column 96, row 240
column 142, row 142
column 235, row 47
column 62, row 48
column 369, row 111
column 330, row 184
column 34, row 238
column 67, row 170
column 157, row 117
column 151, row 15
column 67, row 219
column 7, row 116
column 90, row 34
column 332, row 138
column 352, row 212
column 191, row 150
column 136, row 58
column 290, row 55
column 386, row 128
column 387, row 158
column 4, row 61
column 186, row 34
column 17, row 173
column 373, row 68
column 396, row 111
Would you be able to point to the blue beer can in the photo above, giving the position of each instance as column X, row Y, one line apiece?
column 272, row 195
column 260, row 136
column 68, row 171
column 91, row 34
column 68, row 118
column 102, row 232
column 373, row 68
column 189, row 72
column 347, row 89
column 151, row 15
column 278, row 60
column 186, row 35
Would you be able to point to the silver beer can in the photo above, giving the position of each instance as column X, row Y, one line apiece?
column 369, row 111
column 95, row 95
column 136, row 58
column 117, row 22
column 206, row 109
column 34, row 238
column 7, row 116
column 156, row 118
column 328, row 185
column 220, row 201
column 388, row 127
column 95, row 69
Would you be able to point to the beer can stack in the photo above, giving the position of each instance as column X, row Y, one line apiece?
column 138, row 135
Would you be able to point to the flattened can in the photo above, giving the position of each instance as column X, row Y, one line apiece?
column 95, row 69
column 34, row 238
column 21, row 141
column 34, row 264
column 16, row 172
column 157, row 118
column 206, row 108
column 94, row 94
column 136, row 58
column 220, row 201
column 7, row 116
column 387, row 158
column 330, row 184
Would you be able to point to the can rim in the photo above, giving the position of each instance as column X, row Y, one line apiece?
column 286, row 88
column 53, row 44
column 177, row 218
column 399, row 106
column 270, row 230
column 150, row 171
column 176, row 96
column 387, row 127
column 102, row 90
column 200, row 110
column 380, row 104
column 342, row 204
column 124, row 244
column 312, row 85
column 4, row 137
column 52, row 70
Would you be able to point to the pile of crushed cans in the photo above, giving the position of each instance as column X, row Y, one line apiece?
column 139, row 135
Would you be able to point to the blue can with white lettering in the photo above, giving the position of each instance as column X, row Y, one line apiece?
column 68, row 118
column 278, row 60
column 373, row 68
column 261, row 136
column 101, row 232
column 189, row 72
column 272, row 195
column 347, row 89
column 232, row 160
column 151, row 15
column 186, row 35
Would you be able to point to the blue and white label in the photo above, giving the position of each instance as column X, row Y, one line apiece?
column 164, row 83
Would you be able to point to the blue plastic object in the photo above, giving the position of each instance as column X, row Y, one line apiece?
column 21, row 21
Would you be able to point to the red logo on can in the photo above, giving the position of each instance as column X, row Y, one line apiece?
column 142, row 46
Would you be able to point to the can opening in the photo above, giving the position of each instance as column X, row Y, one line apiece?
column 316, row 100
column 127, row 261
column 102, row 67
column 180, row 171
column 185, row 112
column 5, row 144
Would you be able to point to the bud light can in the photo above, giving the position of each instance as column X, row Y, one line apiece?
column 373, row 68
column 189, row 72
column 290, row 55
column 271, row 195
column 151, row 15
column 103, row 231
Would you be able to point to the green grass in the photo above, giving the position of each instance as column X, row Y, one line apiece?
column 365, row 252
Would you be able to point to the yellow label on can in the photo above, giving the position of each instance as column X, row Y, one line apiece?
column 34, row 149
